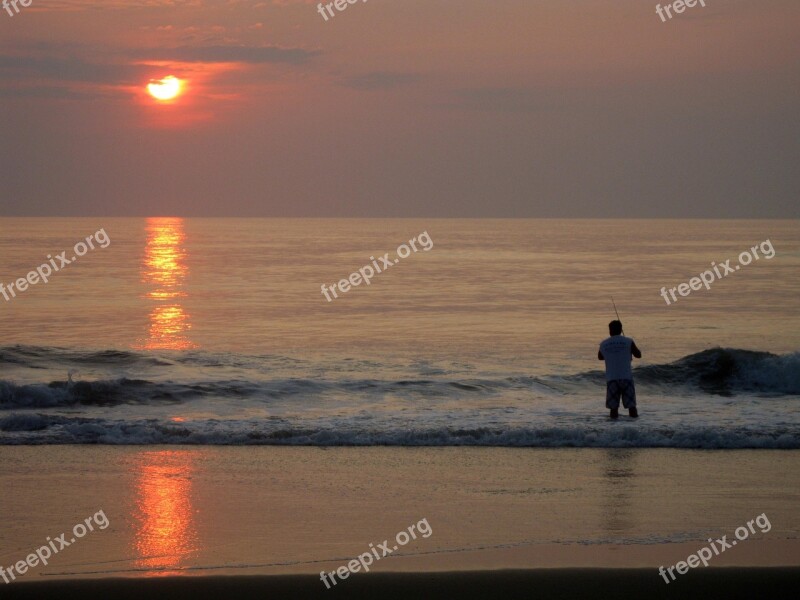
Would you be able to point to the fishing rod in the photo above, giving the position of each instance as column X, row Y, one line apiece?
column 617, row 313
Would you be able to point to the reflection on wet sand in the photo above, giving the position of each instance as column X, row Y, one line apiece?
column 165, row 534
column 619, row 478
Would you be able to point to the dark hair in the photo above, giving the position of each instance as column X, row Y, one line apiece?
column 615, row 327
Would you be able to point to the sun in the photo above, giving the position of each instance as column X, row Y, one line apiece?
column 165, row 89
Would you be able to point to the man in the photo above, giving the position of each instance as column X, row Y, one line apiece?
column 617, row 350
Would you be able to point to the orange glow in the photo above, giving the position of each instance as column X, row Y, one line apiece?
column 164, row 270
column 165, row 536
column 167, row 324
column 165, row 256
column 200, row 99
column 166, row 88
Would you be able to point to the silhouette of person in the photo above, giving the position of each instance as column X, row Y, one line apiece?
column 617, row 351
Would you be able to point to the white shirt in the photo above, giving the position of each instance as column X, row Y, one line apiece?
column 617, row 352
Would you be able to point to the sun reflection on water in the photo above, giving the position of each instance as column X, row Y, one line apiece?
column 164, row 271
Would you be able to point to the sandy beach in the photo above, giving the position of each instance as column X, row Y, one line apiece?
column 246, row 515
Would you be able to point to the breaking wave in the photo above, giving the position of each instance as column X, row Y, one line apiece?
column 54, row 429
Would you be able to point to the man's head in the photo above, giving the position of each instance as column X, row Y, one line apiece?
column 615, row 328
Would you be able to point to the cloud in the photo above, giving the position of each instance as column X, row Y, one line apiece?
column 232, row 54
column 44, row 91
column 95, row 5
column 78, row 63
column 66, row 69
column 80, row 5
column 74, row 71
column 379, row 80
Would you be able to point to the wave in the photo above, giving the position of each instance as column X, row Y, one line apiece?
column 55, row 429
column 717, row 371
column 137, row 391
column 725, row 371
column 39, row 357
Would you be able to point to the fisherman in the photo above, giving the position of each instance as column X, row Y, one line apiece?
column 617, row 351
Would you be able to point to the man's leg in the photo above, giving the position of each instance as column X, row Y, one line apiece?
column 612, row 398
column 629, row 397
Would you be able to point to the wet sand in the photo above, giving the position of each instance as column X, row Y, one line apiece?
column 246, row 511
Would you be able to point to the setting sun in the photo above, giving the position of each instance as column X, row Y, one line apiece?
column 165, row 89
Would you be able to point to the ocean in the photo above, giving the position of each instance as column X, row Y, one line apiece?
column 216, row 332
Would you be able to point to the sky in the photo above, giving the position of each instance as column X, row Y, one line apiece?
column 401, row 108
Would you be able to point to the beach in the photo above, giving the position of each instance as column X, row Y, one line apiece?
column 249, row 518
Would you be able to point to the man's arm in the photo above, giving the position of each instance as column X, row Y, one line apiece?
column 600, row 355
column 635, row 351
